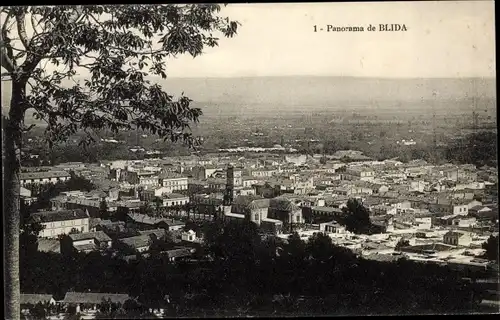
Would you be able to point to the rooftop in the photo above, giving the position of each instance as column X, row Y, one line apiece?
column 98, row 235
column 62, row 215
column 43, row 174
column 34, row 298
column 94, row 298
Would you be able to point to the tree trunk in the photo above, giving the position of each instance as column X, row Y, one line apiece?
column 11, row 201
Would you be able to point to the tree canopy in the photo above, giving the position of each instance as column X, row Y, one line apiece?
column 491, row 247
column 117, row 51
column 119, row 47
column 356, row 217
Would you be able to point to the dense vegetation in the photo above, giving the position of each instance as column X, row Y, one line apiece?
column 250, row 275
column 491, row 247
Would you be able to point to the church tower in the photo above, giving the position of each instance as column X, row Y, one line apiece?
column 233, row 180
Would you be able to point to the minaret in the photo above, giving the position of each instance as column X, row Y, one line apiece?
column 229, row 195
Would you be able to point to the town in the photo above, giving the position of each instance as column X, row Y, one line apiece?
column 249, row 160
column 434, row 214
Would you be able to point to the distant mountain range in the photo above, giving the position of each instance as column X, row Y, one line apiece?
column 263, row 95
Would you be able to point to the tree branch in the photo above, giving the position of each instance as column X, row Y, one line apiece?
column 7, row 59
column 21, row 29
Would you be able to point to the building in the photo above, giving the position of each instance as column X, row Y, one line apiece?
column 28, row 300
column 178, row 253
column 479, row 211
column 26, row 197
column 143, row 178
column 62, row 222
column 174, row 181
column 43, row 177
column 332, row 227
column 447, row 206
column 381, row 210
column 140, row 243
column 84, row 301
column 458, row 238
column 326, row 211
column 234, row 180
column 203, row 172
column 189, row 236
column 90, row 241
column 174, row 199
column 358, row 173
column 144, row 222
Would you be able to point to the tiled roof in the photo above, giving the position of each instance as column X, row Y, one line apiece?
column 157, row 232
column 283, row 204
column 181, row 252
column 49, row 245
column 34, row 298
column 246, row 200
column 42, row 175
column 258, row 204
column 142, row 218
column 85, row 247
column 98, row 235
column 94, row 298
column 171, row 175
column 137, row 241
column 327, row 209
column 62, row 215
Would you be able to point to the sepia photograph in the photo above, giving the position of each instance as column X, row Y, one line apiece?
column 249, row 160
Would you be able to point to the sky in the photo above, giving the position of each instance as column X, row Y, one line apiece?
column 443, row 39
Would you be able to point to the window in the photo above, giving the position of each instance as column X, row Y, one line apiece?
column 83, row 229
column 256, row 217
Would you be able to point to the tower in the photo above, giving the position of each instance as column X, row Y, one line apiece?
column 233, row 179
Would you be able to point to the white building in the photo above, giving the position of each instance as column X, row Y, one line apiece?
column 62, row 222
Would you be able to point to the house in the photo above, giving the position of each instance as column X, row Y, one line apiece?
column 90, row 241
column 382, row 210
column 358, row 173
column 423, row 222
column 189, row 236
column 179, row 253
column 174, row 181
column 34, row 298
column 174, row 199
column 447, row 206
column 175, row 225
column 332, row 227
column 43, row 177
column 28, row 300
column 326, row 211
column 203, row 172
column 143, row 178
column 140, row 243
column 465, row 222
column 26, row 197
column 264, row 172
column 83, row 301
column 61, row 222
column 143, row 221
column 458, row 238
column 479, row 211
